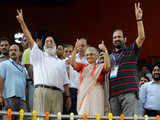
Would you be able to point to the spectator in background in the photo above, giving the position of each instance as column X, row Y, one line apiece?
column 4, row 49
column 149, row 95
column 146, row 70
column 67, row 50
column 60, row 51
column 143, row 79
column 72, row 74
column 13, row 82
column 82, row 46
column 24, row 44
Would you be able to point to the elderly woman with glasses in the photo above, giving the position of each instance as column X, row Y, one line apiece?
column 91, row 93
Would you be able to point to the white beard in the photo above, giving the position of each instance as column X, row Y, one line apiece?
column 50, row 51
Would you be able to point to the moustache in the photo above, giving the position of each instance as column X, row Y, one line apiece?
column 118, row 41
column 13, row 54
column 4, row 49
column 118, row 44
column 156, row 74
column 156, row 77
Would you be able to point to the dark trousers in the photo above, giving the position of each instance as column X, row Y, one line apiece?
column 73, row 92
column 73, row 109
column 152, row 113
column 16, row 104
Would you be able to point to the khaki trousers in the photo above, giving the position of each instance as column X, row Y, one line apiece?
column 47, row 100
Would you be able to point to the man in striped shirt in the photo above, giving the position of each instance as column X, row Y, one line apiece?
column 123, row 76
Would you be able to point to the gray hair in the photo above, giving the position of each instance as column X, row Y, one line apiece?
column 93, row 49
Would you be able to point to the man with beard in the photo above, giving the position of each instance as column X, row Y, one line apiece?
column 4, row 49
column 13, row 82
column 4, row 52
column 149, row 95
column 50, row 77
column 123, row 76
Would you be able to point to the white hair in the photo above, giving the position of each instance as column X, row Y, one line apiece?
column 93, row 49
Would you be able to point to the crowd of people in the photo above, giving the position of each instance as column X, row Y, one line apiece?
column 42, row 74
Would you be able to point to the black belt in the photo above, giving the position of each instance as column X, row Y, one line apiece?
column 49, row 87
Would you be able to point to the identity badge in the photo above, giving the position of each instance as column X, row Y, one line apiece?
column 114, row 72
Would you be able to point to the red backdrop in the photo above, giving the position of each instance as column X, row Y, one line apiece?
column 93, row 19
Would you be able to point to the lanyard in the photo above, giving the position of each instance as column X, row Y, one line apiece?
column 116, row 59
column 19, row 69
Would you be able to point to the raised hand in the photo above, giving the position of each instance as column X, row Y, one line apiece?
column 24, row 28
column 20, row 16
column 102, row 46
column 76, row 45
column 138, row 11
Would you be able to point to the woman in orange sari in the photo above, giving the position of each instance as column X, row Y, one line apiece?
column 90, row 98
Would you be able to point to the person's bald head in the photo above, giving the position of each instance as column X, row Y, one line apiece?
column 14, row 51
column 82, row 45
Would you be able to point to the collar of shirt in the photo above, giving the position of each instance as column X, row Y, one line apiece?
column 78, row 55
column 55, row 56
column 2, row 56
column 119, row 51
column 83, row 60
column 153, row 81
column 15, row 62
column 19, row 66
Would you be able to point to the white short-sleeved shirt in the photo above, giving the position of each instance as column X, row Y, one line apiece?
column 48, row 70
column 74, row 75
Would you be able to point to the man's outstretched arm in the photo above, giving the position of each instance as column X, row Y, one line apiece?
column 140, row 27
column 25, row 28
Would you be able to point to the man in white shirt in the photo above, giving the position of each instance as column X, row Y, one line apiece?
column 50, row 77
column 74, row 76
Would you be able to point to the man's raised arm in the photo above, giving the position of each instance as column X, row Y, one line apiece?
column 141, row 34
column 24, row 28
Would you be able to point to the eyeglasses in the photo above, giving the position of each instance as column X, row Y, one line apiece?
column 4, row 45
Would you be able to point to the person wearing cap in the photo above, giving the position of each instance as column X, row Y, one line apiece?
column 50, row 77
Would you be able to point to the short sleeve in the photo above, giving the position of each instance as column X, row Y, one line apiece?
column 66, row 79
column 25, row 57
column 3, row 70
column 64, row 75
column 135, row 48
column 35, row 54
